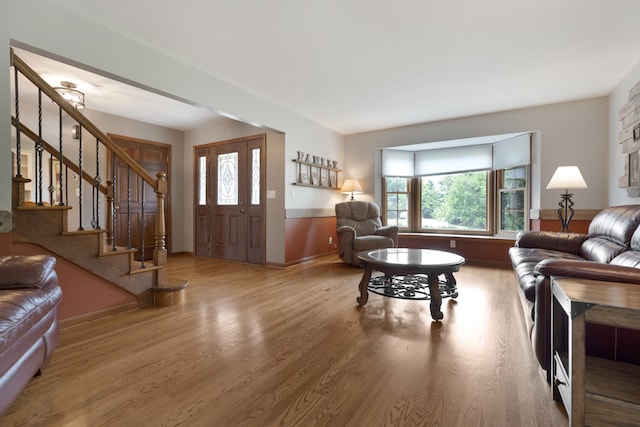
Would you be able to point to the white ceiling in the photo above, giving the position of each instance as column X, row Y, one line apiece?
column 358, row 65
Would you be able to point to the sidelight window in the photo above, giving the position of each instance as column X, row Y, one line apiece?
column 202, row 183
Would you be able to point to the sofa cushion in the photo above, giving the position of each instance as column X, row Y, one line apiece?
column 616, row 224
column 631, row 257
column 601, row 249
column 25, row 271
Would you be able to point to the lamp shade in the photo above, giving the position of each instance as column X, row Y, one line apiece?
column 351, row 185
column 566, row 177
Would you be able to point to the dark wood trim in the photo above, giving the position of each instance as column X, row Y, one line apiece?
column 228, row 141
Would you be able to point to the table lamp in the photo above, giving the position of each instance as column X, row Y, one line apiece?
column 566, row 177
column 351, row 185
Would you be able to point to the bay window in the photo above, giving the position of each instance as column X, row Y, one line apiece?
column 476, row 189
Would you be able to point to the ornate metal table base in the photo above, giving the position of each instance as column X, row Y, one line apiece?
column 413, row 286
column 410, row 274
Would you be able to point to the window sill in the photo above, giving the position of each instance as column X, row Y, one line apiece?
column 500, row 238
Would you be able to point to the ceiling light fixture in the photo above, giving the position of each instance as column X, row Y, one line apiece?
column 72, row 95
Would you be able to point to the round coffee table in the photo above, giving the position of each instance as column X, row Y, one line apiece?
column 410, row 274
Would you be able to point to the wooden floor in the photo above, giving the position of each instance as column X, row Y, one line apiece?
column 256, row 346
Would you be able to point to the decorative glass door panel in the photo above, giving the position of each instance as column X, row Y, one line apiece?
column 228, row 179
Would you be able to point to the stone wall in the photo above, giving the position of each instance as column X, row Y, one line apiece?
column 629, row 139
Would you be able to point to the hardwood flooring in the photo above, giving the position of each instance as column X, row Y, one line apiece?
column 256, row 346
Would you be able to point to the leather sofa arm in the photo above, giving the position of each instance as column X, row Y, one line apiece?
column 557, row 241
column 588, row 270
column 579, row 269
column 389, row 231
column 34, row 271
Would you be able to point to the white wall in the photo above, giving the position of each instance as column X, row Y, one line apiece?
column 572, row 133
column 617, row 160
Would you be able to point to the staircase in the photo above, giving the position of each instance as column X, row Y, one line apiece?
column 45, row 221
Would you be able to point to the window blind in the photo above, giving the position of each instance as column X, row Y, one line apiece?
column 509, row 153
column 452, row 160
column 513, row 152
column 397, row 163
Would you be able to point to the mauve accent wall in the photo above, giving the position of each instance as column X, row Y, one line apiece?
column 83, row 292
column 308, row 238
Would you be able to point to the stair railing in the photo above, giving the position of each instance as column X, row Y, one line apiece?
column 60, row 188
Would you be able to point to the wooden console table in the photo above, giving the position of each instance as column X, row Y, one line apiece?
column 594, row 391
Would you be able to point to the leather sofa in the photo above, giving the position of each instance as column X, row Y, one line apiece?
column 359, row 228
column 609, row 252
column 29, row 329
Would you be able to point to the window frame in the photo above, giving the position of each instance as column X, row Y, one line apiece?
column 410, row 202
column 500, row 190
column 489, row 219
column 493, row 206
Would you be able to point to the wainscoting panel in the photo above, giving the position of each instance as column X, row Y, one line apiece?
column 308, row 238
column 482, row 250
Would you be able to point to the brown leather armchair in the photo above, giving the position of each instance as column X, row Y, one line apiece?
column 360, row 229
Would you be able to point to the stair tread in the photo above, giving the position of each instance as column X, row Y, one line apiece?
column 44, row 207
column 89, row 231
column 172, row 284
column 137, row 268
column 107, row 250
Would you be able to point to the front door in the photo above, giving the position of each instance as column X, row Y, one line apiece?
column 229, row 211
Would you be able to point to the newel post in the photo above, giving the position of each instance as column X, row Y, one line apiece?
column 18, row 191
column 160, row 251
